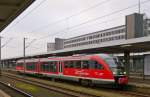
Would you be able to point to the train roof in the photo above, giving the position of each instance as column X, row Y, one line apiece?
column 27, row 60
column 105, row 56
column 73, row 57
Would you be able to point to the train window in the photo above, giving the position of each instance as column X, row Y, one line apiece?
column 30, row 66
column 69, row 64
column 66, row 64
column 77, row 64
column 52, row 66
column 20, row 64
column 85, row 64
column 95, row 65
column 45, row 66
column 48, row 66
column 98, row 66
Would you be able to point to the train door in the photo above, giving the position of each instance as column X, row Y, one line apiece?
column 85, row 68
column 60, row 68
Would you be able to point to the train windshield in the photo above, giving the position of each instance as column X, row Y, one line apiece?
column 115, row 66
column 113, row 63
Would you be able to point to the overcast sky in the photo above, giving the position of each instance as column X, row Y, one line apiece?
column 45, row 20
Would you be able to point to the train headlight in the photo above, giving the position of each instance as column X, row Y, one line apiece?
column 114, row 73
column 124, row 72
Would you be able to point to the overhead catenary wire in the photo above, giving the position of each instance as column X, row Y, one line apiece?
column 9, row 40
column 103, row 22
column 88, row 21
column 61, row 31
column 67, row 18
column 93, row 20
column 30, row 43
column 75, row 27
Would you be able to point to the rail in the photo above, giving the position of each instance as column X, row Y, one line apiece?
column 18, row 90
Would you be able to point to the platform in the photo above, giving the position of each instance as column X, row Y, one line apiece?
column 3, row 94
column 140, row 83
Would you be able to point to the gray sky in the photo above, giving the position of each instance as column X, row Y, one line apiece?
column 46, row 19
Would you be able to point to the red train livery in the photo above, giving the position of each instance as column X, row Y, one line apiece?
column 98, row 68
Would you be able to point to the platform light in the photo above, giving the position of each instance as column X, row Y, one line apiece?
column 114, row 73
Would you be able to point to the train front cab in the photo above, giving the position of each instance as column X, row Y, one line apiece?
column 91, row 69
column 117, row 69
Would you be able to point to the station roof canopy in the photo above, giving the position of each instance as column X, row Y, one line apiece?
column 10, row 9
column 134, row 45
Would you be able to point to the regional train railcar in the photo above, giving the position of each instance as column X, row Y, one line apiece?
column 100, row 68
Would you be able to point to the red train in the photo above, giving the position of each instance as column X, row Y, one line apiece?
column 98, row 68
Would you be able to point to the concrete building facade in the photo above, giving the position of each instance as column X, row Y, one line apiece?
column 50, row 47
column 116, row 33
column 136, row 26
column 146, row 27
column 59, row 44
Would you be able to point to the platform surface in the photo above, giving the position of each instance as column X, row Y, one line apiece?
column 3, row 94
column 140, row 83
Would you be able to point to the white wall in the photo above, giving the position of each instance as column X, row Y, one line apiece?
column 147, row 65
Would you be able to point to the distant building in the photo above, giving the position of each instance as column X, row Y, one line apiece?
column 135, row 27
column 59, row 43
column 50, row 47
column 116, row 33
column 146, row 27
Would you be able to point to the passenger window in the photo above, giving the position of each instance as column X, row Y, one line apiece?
column 66, row 64
column 77, row 64
column 98, row 66
column 69, row 64
column 45, row 66
column 30, row 66
column 20, row 64
column 95, row 65
column 85, row 64
column 53, row 66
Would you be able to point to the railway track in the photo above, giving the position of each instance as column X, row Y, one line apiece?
column 12, row 91
column 132, row 94
column 80, row 94
column 68, row 92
